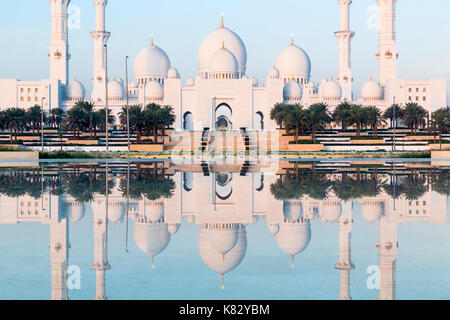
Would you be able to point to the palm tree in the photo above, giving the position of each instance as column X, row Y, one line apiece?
column 168, row 118
column 154, row 120
column 359, row 117
column 88, row 108
column 389, row 114
column 56, row 117
column 101, row 116
column 374, row 119
column 75, row 121
column 34, row 117
column 342, row 115
column 440, row 122
column 318, row 118
column 279, row 113
column 414, row 116
column 137, row 119
column 296, row 120
column 16, row 120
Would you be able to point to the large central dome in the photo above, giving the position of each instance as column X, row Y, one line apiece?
column 214, row 41
column 293, row 63
column 151, row 63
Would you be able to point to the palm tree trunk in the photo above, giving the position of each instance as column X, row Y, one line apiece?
column 313, row 133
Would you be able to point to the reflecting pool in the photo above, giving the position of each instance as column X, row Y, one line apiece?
column 225, row 230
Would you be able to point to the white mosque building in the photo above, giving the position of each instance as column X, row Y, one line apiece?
column 222, row 95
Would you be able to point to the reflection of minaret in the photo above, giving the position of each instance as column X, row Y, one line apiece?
column 101, row 263
column 387, row 246
column 59, row 256
column 345, row 263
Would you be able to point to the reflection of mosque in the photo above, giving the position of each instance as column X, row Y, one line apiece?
column 223, row 199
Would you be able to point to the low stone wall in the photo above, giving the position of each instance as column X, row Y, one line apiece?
column 368, row 141
column 83, row 142
column 419, row 138
column 19, row 155
column 147, row 147
column 436, row 146
column 440, row 154
column 304, row 147
column 27, row 138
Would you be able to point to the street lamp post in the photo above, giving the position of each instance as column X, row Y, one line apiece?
column 395, row 124
column 128, row 104
column 106, row 98
column 42, row 123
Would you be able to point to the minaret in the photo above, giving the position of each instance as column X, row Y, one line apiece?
column 101, row 263
column 387, row 43
column 59, row 44
column 387, row 246
column 345, row 263
column 100, row 37
column 344, row 37
column 59, row 256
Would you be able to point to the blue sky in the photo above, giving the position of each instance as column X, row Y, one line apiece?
column 264, row 25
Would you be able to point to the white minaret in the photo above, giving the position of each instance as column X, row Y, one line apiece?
column 101, row 263
column 344, row 37
column 345, row 263
column 387, row 246
column 100, row 37
column 59, row 255
column 59, row 44
column 387, row 42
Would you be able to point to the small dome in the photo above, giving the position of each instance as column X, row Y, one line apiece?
column 75, row 91
column 151, row 239
column 215, row 259
column 331, row 91
column 254, row 82
column 292, row 92
column 273, row 228
column 116, row 209
column 292, row 210
column 214, row 41
column 273, row 74
column 173, row 73
column 154, row 91
column 293, row 238
column 293, row 62
column 371, row 91
column 115, row 90
column 73, row 210
column 173, row 228
column 372, row 210
column 223, row 62
column 331, row 210
column 190, row 82
column 153, row 210
column 151, row 62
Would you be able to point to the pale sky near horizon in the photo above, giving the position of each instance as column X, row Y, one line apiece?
column 265, row 27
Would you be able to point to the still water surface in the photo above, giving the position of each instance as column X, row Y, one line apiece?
column 225, row 230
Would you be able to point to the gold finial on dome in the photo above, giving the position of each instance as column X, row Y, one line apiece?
column 223, row 45
column 75, row 78
column 152, row 40
column 153, row 262
column 292, row 261
column 332, row 78
column 223, row 280
column 221, row 20
column 292, row 39
column 371, row 78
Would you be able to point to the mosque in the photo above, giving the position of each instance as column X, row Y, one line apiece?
column 223, row 204
column 222, row 95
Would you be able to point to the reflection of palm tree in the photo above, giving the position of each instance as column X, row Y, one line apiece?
column 350, row 189
column 413, row 187
column 83, row 186
column 441, row 182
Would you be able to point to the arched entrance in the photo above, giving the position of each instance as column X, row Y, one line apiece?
column 259, row 121
column 223, row 117
column 188, row 123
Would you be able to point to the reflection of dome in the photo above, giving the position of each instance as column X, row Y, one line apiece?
column 292, row 209
column 73, row 210
column 153, row 210
column 151, row 62
column 213, row 41
column 331, row 91
column 273, row 228
column 331, row 210
column 151, row 239
column 293, row 238
column 154, row 91
column 371, row 91
column 75, row 91
column 214, row 259
column 223, row 64
column 116, row 209
column 173, row 228
column 190, row 219
column 190, row 82
column 115, row 90
column 223, row 237
column 372, row 210
column 293, row 62
column 292, row 92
